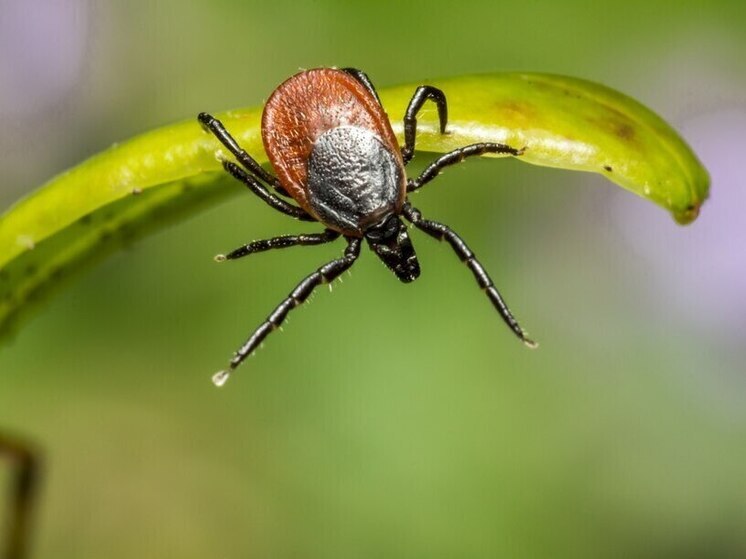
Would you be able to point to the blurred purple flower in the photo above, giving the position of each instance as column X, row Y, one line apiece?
column 700, row 269
column 42, row 46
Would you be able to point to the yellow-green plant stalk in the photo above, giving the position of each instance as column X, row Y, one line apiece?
column 155, row 178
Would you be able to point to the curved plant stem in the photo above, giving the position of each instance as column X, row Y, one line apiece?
column 138, row 186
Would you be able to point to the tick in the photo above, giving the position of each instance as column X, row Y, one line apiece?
column 335, row 155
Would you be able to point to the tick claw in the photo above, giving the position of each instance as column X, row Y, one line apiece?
column 530, row 344
column 221, row 377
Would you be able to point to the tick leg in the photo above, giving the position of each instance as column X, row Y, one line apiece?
column 218, row 130
column 260, row 190
column 363, row 78
column 280, row 242
column 443, row 232
column 457, row 156
column 325, row 274
column 24, row 487
column 422, row 94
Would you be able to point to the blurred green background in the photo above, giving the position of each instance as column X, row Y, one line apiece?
column 388, row 420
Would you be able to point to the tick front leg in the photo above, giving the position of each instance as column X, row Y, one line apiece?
column 422, row 94
column 457, row 156
column 25, row 481
column 283, row 241
column 326, row 274
column 443, row 232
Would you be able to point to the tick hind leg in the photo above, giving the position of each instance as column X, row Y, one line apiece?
column 325, row 274
column 261, row 191
column 444, row 233
column 422, row 94
column 217, row 128
column 24, row 486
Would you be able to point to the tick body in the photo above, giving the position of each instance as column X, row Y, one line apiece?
column 333, row 150
column 335, row 155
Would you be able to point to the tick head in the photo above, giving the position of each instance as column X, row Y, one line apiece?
column 390, row 241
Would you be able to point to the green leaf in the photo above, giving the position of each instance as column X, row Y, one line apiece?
column 138, row 186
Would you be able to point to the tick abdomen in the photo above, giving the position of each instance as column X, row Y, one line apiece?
column 353, row 179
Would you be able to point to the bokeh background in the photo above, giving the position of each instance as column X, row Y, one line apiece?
column 388, row 420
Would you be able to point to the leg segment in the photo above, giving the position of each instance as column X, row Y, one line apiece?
column 280, row 242
column 326, row 274
column 363, row 78
column 422, row 94
column 218, row 130
column 24, row 488
column 260, row 190
column 443, row 232
column 457, row 156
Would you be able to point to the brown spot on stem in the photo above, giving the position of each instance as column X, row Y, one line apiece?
column 687, row 215
column 516, row 112
column 624, row 130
